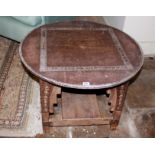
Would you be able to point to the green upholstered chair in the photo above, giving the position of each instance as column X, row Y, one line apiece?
column 17, row 27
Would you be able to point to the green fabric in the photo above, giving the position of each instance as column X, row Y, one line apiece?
column 13, row 29
column 52, row 19
column 29, row 20
column 17, row 27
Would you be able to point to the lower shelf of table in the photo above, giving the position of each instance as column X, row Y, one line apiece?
column 75, row 108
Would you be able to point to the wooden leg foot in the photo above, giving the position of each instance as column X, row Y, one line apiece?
column 116, row 117
column 46, row 129
column 114, row 124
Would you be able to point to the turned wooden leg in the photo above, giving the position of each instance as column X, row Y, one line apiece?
column 45, row 91
column 117, row 98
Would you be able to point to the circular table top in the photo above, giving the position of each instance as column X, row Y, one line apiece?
column 80, row 54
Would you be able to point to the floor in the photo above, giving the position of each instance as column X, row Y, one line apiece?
column 138, row 117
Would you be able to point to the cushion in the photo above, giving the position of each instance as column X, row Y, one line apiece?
column 29, row 20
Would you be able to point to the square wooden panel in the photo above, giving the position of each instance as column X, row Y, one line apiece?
column 80, row 49
column 80, row 109
column 75, row 106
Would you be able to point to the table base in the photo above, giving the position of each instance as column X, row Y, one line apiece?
column 70, row 107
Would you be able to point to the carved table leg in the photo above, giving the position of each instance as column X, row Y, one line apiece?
column 117, row 99
column 45, row 91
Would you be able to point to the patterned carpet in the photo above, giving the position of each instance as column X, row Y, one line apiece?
column 21, row 96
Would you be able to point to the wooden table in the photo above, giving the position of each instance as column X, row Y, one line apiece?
column 79, row 57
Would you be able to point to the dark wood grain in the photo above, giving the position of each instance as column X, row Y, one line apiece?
column 71, row 53
column 81, row 55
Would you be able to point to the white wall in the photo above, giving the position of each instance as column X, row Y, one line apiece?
column 141, row 28
column 115, row 21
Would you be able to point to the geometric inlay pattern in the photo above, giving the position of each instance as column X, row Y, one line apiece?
column 44, row 67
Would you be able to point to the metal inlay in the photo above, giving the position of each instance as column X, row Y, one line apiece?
column 43, row 53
